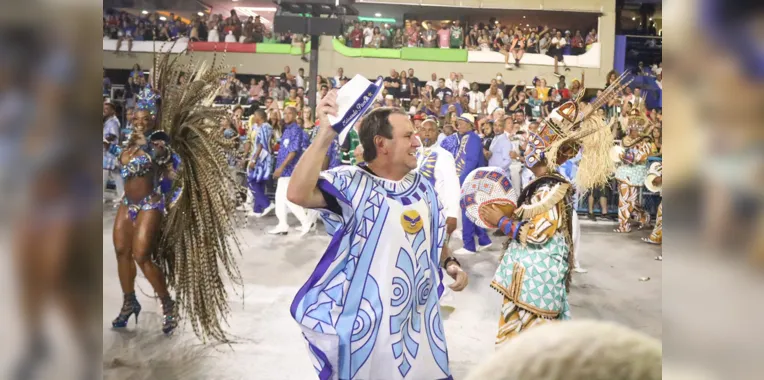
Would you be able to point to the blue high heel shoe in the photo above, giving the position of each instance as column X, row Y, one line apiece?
column 169, row 321
column 129, row 307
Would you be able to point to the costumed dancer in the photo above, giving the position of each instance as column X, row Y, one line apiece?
column 638, row 145
column 260, row 166
column 654, row 182
column 294, row 140
column 177, row 214
column 370, row 309
column 468, row 158
column 534, row 272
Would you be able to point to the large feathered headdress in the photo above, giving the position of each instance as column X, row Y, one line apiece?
column 198, row 239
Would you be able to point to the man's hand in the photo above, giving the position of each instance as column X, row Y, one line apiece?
column 327, row 106
column 450, row 225
column 658, row 181
column 460, row 277
column 277, row 172
column 490, row 214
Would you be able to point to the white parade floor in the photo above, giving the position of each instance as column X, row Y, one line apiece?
column 267, row 342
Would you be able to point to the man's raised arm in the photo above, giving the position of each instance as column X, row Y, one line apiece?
column 303, row 185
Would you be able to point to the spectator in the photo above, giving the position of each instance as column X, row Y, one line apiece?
column 406, row 91
column 433, row 108
column 611, row 77
column 299, row 80
column 552, row 102
column 392, row 83
column 229, row 37
column 578, row 44
column 256, row 91
column 484, row 41
column 556, row 51
column 471, row 41
column 535, row 104
column 412, row 33
column 399, row 39
column 368, row 32
column 106, row 84
column 356, row 36
column 339, row 77
column 429, row 35
column 493, row 99
column 476, row 100
column 444, row 36
column 386, row 36
column 376, row 38
column 213, row 35
column 442, row 90
column 462, row 85
column 451, row 101
column 591, row 39
column 414, row 82
column 544, row 43
column 269, row 38
column 457, row 35
column 562, row 88
column 518, row 46
column 451, row 82
column 258, row 30
column 532, row 43
column 433, row 82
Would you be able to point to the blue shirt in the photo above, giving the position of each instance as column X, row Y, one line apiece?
column 334, row 154
column 444, row 109
column 294, row 139
column 500, row 148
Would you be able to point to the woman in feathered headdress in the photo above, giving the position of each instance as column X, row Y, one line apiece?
column 177, row 210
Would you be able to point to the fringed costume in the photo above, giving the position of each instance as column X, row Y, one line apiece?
column 534, row 273
column 638, row 145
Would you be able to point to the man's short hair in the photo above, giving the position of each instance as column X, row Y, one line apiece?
column 323, row 86
column 237, row 108
column 261, row 113
column 441, row 79
column 376, row 123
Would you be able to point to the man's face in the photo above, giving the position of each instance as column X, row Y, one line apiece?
column 518, row 117
column 286, row 69
column 393, row 73
column 637, row 92
column 448, row 98
column 433, row 76
column 452, row 76
column 441, row 83
column 300, row 92
column 403, row 146
column 292, row 93
column 290, row 115
column 411, row 73
column 340, row 71
column 463, row 126
column 324, row 91
column 428, row 133
column 533, row 127
column 436, row 102
column 107, row 110
column 238, row 113
column 301, row 72
column 497, row 128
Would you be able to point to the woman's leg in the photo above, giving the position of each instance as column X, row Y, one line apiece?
column 123, row 242
column 146, row 233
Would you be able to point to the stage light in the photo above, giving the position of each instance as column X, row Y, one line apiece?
column 200, row 14
column 378, row 15
column 145, row 12
column 162, row 18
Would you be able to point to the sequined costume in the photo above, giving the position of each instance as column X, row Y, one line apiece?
column 632, row 171
column 192, row 186
column 534, row 273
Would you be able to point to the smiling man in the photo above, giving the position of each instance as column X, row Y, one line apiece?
column 370, row 310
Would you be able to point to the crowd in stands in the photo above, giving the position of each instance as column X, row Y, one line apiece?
column 490, row 36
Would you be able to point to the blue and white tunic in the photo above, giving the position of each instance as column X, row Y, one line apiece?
column 264, row 163
column 370, row 310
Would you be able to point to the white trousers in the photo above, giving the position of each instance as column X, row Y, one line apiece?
column 305, row 216
column 118, row 181
column 576, row 227
column 515, row 168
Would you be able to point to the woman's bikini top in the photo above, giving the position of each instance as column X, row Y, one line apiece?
column 138, row 166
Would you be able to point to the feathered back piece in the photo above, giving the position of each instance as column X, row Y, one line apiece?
column 198, row 240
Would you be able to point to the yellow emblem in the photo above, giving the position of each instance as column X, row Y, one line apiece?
column 411, row 221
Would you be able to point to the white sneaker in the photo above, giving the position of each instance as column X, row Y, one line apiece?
column 255, row 214
column 267, row 210
column 508, row 66
column 457, row 234
column 279, row 230
column 481, row 248
column 464, row 251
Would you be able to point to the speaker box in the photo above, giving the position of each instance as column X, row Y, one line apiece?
column 307, row 25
